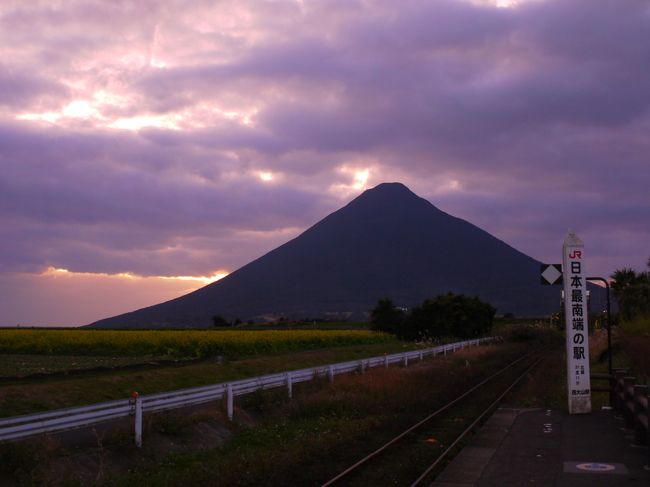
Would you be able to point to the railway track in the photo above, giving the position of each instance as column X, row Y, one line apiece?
column 354, row 473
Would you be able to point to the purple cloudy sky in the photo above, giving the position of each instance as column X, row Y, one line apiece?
column 144, row 140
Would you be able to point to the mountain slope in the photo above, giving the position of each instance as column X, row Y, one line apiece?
column 388, row 242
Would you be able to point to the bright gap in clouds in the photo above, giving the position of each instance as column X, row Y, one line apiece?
column 137, row 123
column 53, row 271
column 361, row 178
column 98, row 110
column 359, row 181
column 497, row 3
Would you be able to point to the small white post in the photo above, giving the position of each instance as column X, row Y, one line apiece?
column 330, row 373
column 421, row 355
column 362, row 367
column 229, row 401
column 406, row 360
column 289, row 385
column 138, row 419
column 385, row 360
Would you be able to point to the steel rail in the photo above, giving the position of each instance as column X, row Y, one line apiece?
column 474, row 423
column 390, row 443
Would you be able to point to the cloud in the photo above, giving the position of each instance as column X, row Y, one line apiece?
column 133, row 136
column 21, row 90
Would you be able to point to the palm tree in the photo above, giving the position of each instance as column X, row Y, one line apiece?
column 623, row 290
column 632, row 292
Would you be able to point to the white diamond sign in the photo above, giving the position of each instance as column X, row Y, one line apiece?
column 551, row 274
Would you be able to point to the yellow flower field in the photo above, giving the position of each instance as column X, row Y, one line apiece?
column 177, row 343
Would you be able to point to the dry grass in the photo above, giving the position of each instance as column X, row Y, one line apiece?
column 545, row 386
column 638, row 350
column 50, row 393
column 299, row 442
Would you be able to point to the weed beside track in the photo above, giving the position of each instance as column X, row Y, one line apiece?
column 300, row 442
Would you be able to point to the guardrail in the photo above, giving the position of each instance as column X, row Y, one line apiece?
column 71, row 418
column 631, row 400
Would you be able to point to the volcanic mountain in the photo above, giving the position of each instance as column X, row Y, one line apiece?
column 388, row 242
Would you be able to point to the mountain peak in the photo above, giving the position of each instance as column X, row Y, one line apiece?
column 391, row 197
column 392, row 190
column 386, row 242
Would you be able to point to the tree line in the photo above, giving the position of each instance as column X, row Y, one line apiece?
column 447, row 315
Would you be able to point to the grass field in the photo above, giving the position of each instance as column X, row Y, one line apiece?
column 320, row 430
column 39, row 394
column 276, row 441
column 190, row 343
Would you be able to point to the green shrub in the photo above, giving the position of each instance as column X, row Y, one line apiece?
column 448, row 315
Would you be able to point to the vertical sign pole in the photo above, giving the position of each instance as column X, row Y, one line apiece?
column 577, row 325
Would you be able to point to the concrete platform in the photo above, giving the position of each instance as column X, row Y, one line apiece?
column 548, row 448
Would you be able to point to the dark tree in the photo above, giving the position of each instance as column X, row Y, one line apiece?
column 386, row 317
column 447, row 315
column 219, row 321
column 451, row 315
column 632, row 292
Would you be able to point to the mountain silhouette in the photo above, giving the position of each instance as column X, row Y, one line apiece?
column 388, row 242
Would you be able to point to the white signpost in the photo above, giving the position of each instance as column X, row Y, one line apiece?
column 577, row 327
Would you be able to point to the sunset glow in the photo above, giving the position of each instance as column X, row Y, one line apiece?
column 202, row 280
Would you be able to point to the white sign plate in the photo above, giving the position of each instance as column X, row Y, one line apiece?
column 577, row 325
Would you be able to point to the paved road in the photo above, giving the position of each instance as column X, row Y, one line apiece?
column 549, row 448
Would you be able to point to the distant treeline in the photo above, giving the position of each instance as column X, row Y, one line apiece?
column 448, row 315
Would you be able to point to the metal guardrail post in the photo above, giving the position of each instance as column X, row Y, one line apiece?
column 330, row 373
column 628, row 401
column 385, row 360
column 421, row 355
column 640, row 432
column 406, row 360
column 137, row 410
column 647, row 412
column 618, row 389
column 229, row 401
column 289, row 385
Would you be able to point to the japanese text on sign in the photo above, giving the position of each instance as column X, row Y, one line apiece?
column 577, row 338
